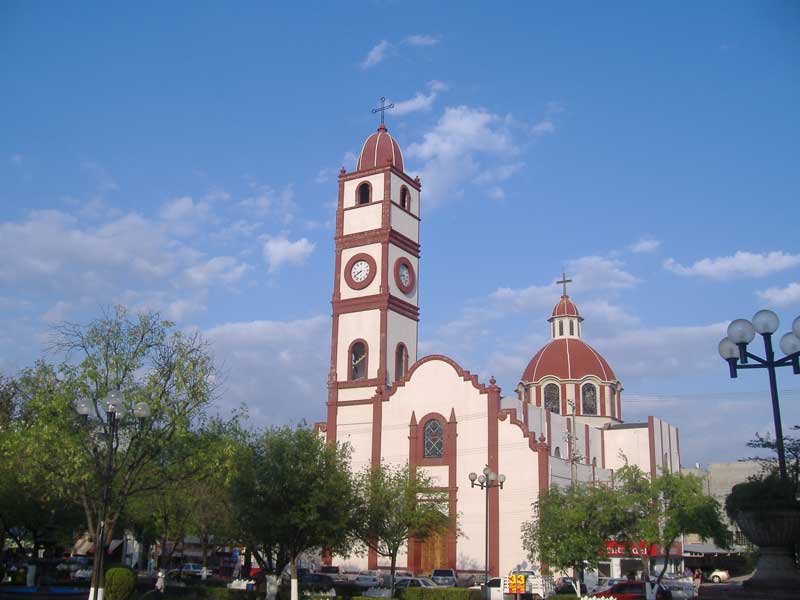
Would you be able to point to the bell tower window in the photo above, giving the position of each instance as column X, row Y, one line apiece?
column 358, row 361
column 589, row 399
column 400, row 361
column 364, row 194
column 561, row 328
column 571, row 327
column 552, row 402
column 434, row 439
column 404, row 198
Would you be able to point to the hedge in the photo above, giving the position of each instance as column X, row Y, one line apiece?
column 440, row 594
column 120, row 583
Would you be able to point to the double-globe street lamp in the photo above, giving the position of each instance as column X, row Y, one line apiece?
column 108, row 414
column 734, row 350
column 487, row 481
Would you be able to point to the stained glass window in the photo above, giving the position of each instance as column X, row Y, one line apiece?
column 552, row 402
column 434, row 439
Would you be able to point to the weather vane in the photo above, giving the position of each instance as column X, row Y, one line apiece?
column 384, row 107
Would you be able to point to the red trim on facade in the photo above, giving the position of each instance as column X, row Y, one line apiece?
column 543, row 452
column 549, row 430
column 669, row 438
column 358, row 194
column 415, row 183
column 412, row 279
column 451, row 451
column 420, row 450
column 564, row 399
column 651, row 434
column 461, row 372
column 402, row 307
column 619, row 405
column 377, row 429
column 578, row 400
column 376, row 302
column 359, row 402
column 661, row 452
column 378, row 236
column 538, row 395
column 678, row 444
column 360, row 285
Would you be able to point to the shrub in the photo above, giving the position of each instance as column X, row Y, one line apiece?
column 120, row 582
column 440, row 594
column 769, row 493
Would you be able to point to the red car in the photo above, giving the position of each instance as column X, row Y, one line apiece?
column 631, row 590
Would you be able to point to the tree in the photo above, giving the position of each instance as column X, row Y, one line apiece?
column 294, row 493
column 660, row 510
column 569, row 528
column 397, row 504
column 791, row 447
column 146, row 360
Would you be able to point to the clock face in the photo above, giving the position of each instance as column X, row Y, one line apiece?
column 405, row 275
column 359, row 271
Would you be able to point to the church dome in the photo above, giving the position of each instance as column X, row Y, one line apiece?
column 565, row 307
column 567, row 358
column 379, row 150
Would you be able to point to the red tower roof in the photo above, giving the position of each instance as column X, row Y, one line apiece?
column 379, row 150
column 567, row 358
column 565, row 307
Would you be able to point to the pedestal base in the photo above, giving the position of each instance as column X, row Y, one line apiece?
column 775, row 570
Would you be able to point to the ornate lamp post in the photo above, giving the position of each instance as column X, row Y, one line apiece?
column 734, row 350
column 487, row 481
column 107, row 413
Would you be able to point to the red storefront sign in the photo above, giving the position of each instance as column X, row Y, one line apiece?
column 615, row 549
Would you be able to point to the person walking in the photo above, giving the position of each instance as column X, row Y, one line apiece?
column 160, row 582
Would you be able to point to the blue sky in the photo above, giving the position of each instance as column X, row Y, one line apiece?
column 183, row 157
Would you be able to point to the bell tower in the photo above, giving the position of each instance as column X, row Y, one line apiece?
column 376, row 278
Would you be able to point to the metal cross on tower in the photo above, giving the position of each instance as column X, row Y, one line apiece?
column 564, row 281
column 384, row 107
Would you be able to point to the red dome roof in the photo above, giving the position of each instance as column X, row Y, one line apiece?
column 565, row 308
column 568, row 358
column 379, row 150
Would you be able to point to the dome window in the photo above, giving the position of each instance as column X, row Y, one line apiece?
column 589, row 399
column 358, row 360
column 552, row 402
column 557, row 453
column 364, row 195
column 571, row 327
column 561, row 328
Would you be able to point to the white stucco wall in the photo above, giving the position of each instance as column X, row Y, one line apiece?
column 397, row 183
column 404, row 223
column 633, row 443
column 350, row 187
column 400, row 329
column 362, row 218
column 354, row 426
column 365, row 325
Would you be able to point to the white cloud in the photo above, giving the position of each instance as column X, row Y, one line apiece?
column 376, row 54
column 498, row 173
column 279, row 251
column 543, row 127
column 782, row 296
column 496, row 193
column 450, row 151
column 183, row 215
column 225, row 270
column 266, row 200
column 57, row 313
column 422, row 40
column 645, row 245
column 277, row 368
column 740, row 265
column 420, row 100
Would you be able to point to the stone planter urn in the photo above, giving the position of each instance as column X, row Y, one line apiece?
column 775, row 532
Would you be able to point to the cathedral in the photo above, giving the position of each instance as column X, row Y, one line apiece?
column 562, row 423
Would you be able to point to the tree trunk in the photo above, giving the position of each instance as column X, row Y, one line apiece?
column 392, row 569
column 293, row 573
column 204, row 540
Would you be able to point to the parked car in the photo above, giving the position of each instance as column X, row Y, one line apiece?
column 632, row 590
column 367, row 581
column 564, row 586
column 334, row 572
column 409, row 582
column 718, row 576
column 444, row 577
column 494, row 588
column 316, row 582
column 603, row 583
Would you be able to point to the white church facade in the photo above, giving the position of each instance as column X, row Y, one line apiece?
column 562, row 423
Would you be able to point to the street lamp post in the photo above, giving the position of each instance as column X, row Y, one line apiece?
column 487, row 481
column 734, row 350
column 113, row 410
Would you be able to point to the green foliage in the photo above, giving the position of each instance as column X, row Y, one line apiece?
column 570, row 527
column 120, row 583
column 769, row 493
column 293, row 492
column 396, row 504
column 440, row 594
column 791, row 447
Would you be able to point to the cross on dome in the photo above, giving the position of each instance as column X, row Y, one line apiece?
column 383, row 108
column 564, row 281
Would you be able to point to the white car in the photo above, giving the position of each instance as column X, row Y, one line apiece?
column 718, row 576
